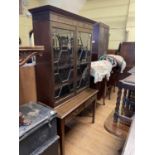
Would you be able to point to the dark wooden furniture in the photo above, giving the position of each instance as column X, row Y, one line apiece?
column 71, row 108
column 27, row 78
column 101, row 87
column 115, row 74
column 105, row 87
column 127, row 51
column 114, row 78
column 127, row 109
column 39, row 137
column 99, row 47
column 100, row 40
column 64, row 69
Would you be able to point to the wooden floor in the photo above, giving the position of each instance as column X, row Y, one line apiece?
column 119, row 129
column 84, row 138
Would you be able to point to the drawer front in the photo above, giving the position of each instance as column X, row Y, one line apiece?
column 48, row 148
column 80, row 108
column 92, row 99
column 75, row 113
column 37, row 138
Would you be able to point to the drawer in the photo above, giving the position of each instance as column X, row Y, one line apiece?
column 92, row 99
column 38, row 137
column 80, row 108
column 75, row 112
column 48, row 148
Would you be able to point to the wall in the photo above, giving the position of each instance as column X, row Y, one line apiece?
column 25, row 20
column 130, row 26
column 69, row 5
column 118, row 14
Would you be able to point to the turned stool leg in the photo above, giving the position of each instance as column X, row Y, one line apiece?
column 104, row 91
column 94, row 109
column 116, row 114
column 124, row 102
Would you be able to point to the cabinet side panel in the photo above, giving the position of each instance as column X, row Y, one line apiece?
column 95, row 38
column 103, row 40
column 44, row 69
column 106, row 40
column 100, row 40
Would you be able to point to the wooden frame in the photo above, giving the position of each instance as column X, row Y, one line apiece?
column 46, row 18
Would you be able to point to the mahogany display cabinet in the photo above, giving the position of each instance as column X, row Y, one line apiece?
column 100, row 40
column 64, row 69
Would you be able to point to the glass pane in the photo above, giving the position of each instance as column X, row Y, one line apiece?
column 63, row 46
column 82, row 76
column 83, row 61
column 84, row 47
column 63, row 90
column 63, row 62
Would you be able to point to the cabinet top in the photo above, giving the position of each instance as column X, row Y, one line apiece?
column 49, row 8
column 101, row 24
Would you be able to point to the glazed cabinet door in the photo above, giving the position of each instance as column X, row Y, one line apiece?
column 83, row 57
column 63, row 62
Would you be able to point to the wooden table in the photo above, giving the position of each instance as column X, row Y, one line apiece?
column 128, row 84
column 71, row 108
column 101, row 87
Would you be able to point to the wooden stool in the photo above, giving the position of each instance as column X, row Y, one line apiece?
column 125, row 113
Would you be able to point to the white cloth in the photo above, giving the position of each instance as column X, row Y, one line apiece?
column 100, row 70
column 132, row 70
column 120, row 60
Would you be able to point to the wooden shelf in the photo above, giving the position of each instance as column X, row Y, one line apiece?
column 31, row 49
column 27, row 52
